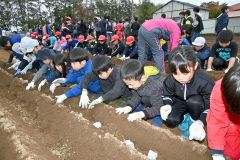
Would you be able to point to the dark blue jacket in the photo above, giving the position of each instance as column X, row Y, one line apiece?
column 131, row 52
column 222, row 22
column 204, row 53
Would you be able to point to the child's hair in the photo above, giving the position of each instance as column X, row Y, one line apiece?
column 4, row 41
column 225, row 36
column 182, row 13
column 187, row 13
column 181, row 58
column 231, row 89
column 101, row 64
column 60, row 59
column 132, row 69
column 196, row 9
column 224, row 8
column 78, row 55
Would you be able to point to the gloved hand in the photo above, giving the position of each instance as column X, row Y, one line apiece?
column 226, row 70
column 209, row 70
column 123, row 110
column 135, row 116
column 61, row 98
column 95, row 102
column 218, row 157
column 123, row 57
column 18, row 71
column 24, row 71
column 53, row 87
column 84, row 99
column 127, row 58
column 165, row 111
column 60, row 80
column 197, row 131
column 42, row 83
column 30, row 85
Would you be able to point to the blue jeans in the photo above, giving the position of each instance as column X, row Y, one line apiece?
column 156, row 121
column 148, row 40
column 194, row 35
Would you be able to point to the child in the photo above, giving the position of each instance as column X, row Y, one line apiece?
column 197, row 24
column 101, row 47
column 110, row 81
column 222, row 20
column 90, row 44
column 71, row 43
column 117, row 46
column 46, row 71
column 81, row 65
column 223, row 119
column 224, row 51
column 29, row 48
column 60, row 43
column 81, row 43
column 202, row 50
column 131, row 49
column 147, row 91
column 187, row 90
column 60, row 65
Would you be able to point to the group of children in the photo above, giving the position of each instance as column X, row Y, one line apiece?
column 187, row 98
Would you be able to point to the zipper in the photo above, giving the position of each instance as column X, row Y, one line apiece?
column 185, row 91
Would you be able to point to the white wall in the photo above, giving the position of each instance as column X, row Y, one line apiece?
column 172, row 10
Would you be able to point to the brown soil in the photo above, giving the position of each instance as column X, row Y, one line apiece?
column 32, row 126
column 45, row 130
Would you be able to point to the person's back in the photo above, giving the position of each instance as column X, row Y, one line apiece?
column 222, row 20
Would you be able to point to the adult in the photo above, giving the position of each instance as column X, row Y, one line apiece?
column 197, row 25
column 149, row 36
column 135, row 27
column 222, row 20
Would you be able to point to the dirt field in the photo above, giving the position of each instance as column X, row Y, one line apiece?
column 32, row 126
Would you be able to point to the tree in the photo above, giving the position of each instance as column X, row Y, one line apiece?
column 145, row 10
column 213, row 7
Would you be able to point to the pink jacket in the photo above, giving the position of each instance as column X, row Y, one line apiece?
column 60, row 44
column 223, row 127
column 168, row 25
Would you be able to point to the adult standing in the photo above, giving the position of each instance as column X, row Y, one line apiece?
column 149, row 36
column 135, row 27
column 197, row 25
column 222, row 20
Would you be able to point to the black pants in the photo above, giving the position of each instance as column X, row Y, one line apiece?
column 23, row 64
column 194, row 105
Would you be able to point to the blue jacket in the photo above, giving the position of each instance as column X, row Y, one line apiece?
column 204, row 53
column 222, row 22
column 131, row 52
column 70, row 45
column 15, row 38
column 77, row 77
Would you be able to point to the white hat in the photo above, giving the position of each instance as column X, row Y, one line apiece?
column 199, row 41
column 28, row 44
column 16, row 48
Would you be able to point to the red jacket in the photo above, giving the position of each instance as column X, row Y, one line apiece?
column 223, row 127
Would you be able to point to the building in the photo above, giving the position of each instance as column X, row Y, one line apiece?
column 174, row 7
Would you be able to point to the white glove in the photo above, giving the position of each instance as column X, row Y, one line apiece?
column 95, row 102
column 197, row 131
column 84, row 99
column 60, row 80
column 30, row 85
column 209, row 70
column 123, row 110
column 42, row 83
column 165, row 111
column 226, row 70
column 218, row 157
column 53, row 87
column 24, row 71
column 127, row 58
column 135, row 116
column 224, row 29
column 61, row 98
column 123, row 57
